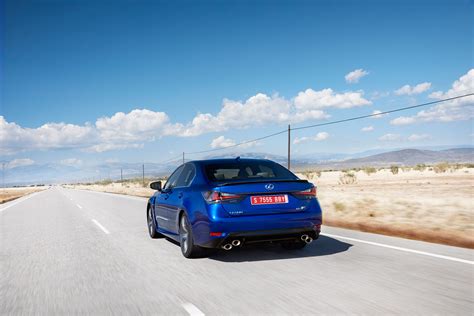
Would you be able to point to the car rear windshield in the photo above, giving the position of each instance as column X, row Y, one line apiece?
column 247, row 171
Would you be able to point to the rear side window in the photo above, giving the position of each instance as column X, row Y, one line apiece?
column 173, row 179
column 186, row 176
column 247, row 171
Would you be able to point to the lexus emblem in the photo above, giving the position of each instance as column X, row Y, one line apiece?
column 269, row 186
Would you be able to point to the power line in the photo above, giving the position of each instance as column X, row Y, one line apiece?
column 239, row 144
column 179, row 157
column 170, row 160
column 382, row 113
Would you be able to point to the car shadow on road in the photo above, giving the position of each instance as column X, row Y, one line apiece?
column 324, row 246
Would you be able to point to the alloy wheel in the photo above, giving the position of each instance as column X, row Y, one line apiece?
column 184, row 234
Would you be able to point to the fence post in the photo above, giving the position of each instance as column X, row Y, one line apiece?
column 289, row 146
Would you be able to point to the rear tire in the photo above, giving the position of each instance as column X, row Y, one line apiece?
column 186, row 239
column 293, row 245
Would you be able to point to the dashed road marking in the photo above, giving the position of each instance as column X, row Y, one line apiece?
column 192, row 310
column 100, row 226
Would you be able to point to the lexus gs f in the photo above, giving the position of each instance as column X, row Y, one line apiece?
column 228, row 203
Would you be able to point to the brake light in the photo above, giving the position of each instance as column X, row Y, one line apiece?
column 309, row 193
column 216, row 197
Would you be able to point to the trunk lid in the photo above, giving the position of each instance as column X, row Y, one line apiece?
column 276, row 197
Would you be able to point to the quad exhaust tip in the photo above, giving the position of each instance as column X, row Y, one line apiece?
column 227, row 247
column 232, row 244
column 306, row 239
column 235, row 242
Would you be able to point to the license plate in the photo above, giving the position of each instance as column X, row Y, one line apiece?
column 269, row 199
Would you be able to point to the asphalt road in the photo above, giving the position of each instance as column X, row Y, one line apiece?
column 69, row 251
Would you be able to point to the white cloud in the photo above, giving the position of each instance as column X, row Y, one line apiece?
column 376, row 114
column 255, row 111
column 318, row 137
column 15, row 138
column 418, row 137
column 119, row 131
column 309, row 115
column 409, row 90
column 390, row 137
column 133, row 129
column 367, row 129
column 354, row 76
column 403, row 120
column 72, row 162
column 249, row 144
column 455, row 110
column 21, row 162
column 222, row 142
column 321, row 136
column 262, row 109
column 137, row 125
column 99, row 148
column 326, row 98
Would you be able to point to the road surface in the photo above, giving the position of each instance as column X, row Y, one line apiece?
column 70, row 251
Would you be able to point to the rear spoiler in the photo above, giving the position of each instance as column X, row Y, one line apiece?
column 260, row 181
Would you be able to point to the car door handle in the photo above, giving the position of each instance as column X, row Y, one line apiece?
column 180, row 195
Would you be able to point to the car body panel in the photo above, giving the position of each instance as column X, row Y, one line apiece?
column 235, row 217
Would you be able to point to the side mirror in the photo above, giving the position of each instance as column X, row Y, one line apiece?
column 156, row 185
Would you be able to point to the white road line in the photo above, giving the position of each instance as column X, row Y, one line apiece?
column 401, row 249
column 192, row 310
column 79, row 206
column 19, row 200
column 100, row 226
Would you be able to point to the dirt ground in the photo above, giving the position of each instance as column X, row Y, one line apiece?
column 9, row 194
column 423, row 205
column 135, row 189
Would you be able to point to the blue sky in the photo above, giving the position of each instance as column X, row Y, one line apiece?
column 74, row 64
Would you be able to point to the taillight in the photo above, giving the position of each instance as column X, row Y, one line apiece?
column 309, row 193
column 216, row 197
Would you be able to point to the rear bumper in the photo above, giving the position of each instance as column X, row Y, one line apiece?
column 260, row 236
column 257, row 228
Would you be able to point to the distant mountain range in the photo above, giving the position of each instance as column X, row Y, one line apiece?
column 56, row 173
column 404, row 157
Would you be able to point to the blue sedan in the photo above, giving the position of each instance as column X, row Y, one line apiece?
column 227, row 203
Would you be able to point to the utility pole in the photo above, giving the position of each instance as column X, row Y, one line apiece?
column 289, row 146
column 121, row 176
column 143, row 174
column 183, row 157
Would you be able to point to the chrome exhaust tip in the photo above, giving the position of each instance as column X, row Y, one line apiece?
column 235, row 242
column 227, row 247
column 306, row 239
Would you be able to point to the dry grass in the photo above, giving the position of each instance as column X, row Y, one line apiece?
column 128, row 188
column 9, row 194
column 430, row 205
